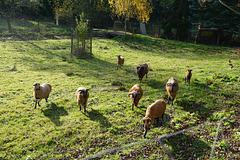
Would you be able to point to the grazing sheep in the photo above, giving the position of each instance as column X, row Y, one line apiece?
column 41, row 92
column 172, row 88
column 142, row 70
column 154, row 111
column 188, row 76
column 120, row 61
column 82, row 95
column 135, row 93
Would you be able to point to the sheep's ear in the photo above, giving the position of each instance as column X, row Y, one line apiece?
column 130, row 93
column 87, row 90
column 138, row 67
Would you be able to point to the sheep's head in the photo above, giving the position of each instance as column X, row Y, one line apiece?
column 189, row 70
column 84, row 92
column 134, row 95
column 37, row 86
column 146, row 124
column 172, row 86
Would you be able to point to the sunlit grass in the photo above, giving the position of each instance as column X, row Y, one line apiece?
column 58, row 129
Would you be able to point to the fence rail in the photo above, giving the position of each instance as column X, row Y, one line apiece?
column 162, row 137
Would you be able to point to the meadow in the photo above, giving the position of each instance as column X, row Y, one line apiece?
column 58, row 130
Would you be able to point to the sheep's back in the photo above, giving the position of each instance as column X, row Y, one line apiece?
column 156, row 109
column 46, row 87
column 44, row 91
column 146, row 69
column 80, row 96
column 137, row 88
column 120, row 60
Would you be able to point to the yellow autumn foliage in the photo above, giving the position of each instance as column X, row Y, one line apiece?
column 132, row 8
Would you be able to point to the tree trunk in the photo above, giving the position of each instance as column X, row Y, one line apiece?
column 57, row 17
column 143, row 28
column 9, row 24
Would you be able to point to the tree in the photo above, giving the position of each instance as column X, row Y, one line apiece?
column 176, row 17
column 7, row 9
column 213, row 14
column 124, row 9
column 81, row 30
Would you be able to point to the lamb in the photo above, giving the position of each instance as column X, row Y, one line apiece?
column 120, row 61
column 41, row 92
column 172, row 88
column 142, row 70
column 82, row 95
column 135, row 93
column 188, row 76
column 154, row 111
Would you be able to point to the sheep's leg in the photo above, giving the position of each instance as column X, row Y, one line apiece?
column 117, row 67
column 85, row 109
column 35, row 104
column 157, row 121
column 185, row 79
column 79, row 105
column 168, row 100
column 39, row 102
column 146, row 76
column 46, row 98
column 172, row 101
column 132, row 107
column 162, row 120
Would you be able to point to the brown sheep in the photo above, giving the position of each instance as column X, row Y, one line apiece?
column 142, row 70
column 41, row 92
column 172, row 88
column 135, row 93
column 82, row 95
column 154, row 111
column 120, row 61
column 188, row 76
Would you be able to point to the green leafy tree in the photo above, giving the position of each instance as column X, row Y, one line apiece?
column 213, row 14
column 176, row 17
column 7, row 8
column 81, row 31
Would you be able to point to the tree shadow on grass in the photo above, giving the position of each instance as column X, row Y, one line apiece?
column 95, row 115
column 188, row 147
column 54, row 113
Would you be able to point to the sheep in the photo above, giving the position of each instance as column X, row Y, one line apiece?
column 142, row 70
column 135, row 93
column 188, row 76
column 41, row 92
column 82, row 95
column 172, row 88
column 154, row 111
column 120, row 61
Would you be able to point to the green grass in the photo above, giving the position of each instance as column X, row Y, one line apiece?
column 58, row 129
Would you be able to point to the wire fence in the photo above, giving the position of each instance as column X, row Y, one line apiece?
column 162, row 137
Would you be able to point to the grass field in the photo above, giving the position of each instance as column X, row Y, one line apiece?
column 58, row 130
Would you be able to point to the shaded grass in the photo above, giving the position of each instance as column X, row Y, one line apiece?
column 58, row 129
